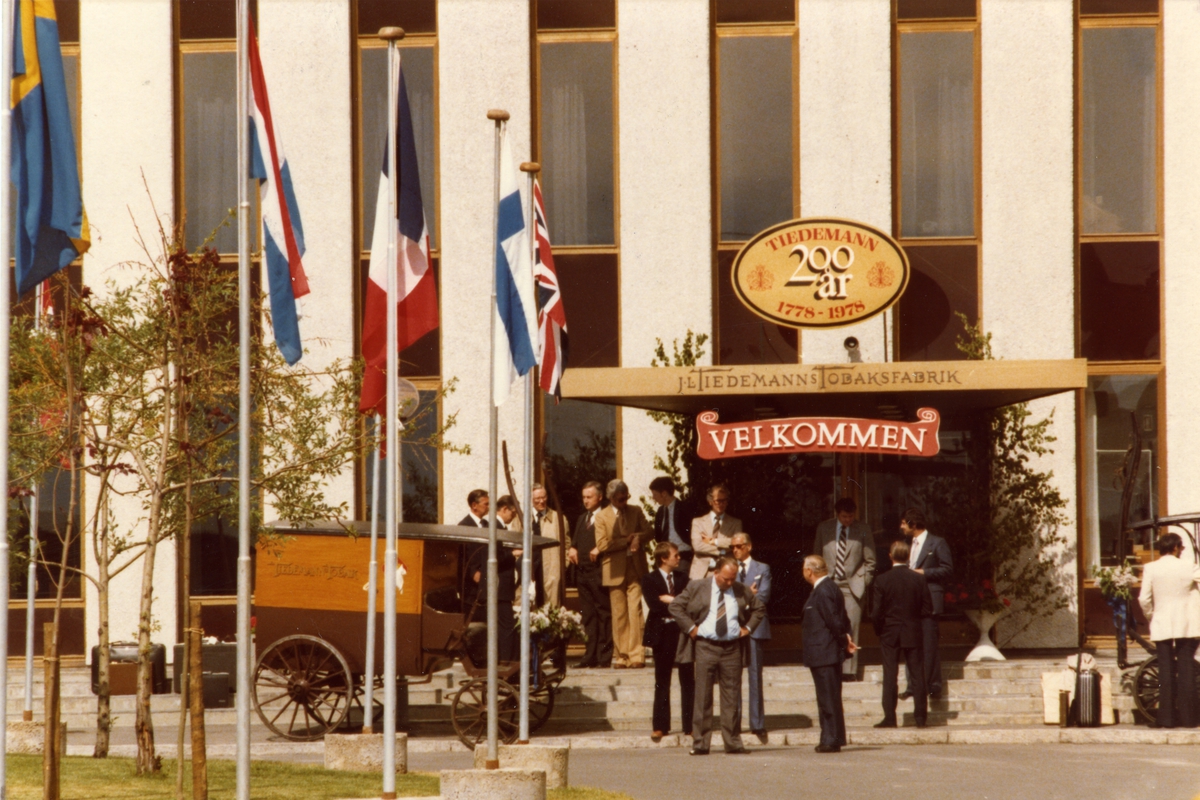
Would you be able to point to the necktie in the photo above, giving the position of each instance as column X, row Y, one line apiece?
column 842, row 548
column 670, row 584
column 722, row 623
column 717, row 524
column 742, row 573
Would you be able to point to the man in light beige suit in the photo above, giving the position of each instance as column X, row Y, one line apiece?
column 712, row 533
column 546, row 524
column 620, row 531
column 848, row 548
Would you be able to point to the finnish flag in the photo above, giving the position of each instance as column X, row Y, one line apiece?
column 516, row 331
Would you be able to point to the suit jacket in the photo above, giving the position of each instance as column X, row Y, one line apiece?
column 690, row 607
column 683, row 523
column 705, row 552
column 825, row 626
column 860, row 554
column 584, row 540
column 899, row 603
column 1170, row 598
column 469, row 522
column 938, row 566
column 659, row 619
column 753, row 570
column 613, row 535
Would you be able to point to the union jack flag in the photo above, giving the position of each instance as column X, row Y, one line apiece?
column 552, row 319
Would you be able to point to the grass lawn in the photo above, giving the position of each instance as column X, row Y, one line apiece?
column 114, row 779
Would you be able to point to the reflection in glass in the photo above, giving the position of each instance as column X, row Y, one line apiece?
column 937, row 133
column 756, row 123
column 944, row 283
column 577, row 141
column 420, row 462
column 417, row 63
column 1120, row 410
column 210, row 148
column 1119, row 300
column 54, row 512
column 581, row 446
column 1119, row 131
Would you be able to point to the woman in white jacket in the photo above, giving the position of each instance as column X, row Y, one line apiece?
column 1170, row 596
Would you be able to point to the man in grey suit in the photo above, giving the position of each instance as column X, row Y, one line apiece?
column 716, row 616
column 849, row 549
column 755, row 576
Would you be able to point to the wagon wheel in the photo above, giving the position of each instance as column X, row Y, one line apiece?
column 541, row 705
column 468, row 712
column 302, row 688
column 1145, row 689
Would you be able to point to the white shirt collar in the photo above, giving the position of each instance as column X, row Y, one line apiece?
column 818, row 581
column 480, row 521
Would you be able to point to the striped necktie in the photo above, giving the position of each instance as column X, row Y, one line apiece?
column 842, row 549
column 722, row 623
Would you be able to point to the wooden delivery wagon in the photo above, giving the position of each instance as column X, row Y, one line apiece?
column 310, row 606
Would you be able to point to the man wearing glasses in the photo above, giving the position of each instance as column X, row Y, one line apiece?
column 756, row 577
column 711, row 533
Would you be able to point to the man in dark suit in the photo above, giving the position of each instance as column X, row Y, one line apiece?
column 673, row 520
column 717, row 614
column 593, row 596
column 900, row 604
column 478, row 502
column 827, row 643
column 507, row 642
column 929, row 556
column 659, row 588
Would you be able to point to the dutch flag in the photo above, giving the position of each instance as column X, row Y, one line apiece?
column 517, row 329
column 282, row 234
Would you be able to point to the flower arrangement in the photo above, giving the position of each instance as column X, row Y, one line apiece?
column 983, row 597
column 1115, row 582
column 551, row 625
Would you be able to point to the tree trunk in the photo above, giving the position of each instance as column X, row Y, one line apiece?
column 199, row 754
column 50, row 758
column 143, row 725
column 103, row 658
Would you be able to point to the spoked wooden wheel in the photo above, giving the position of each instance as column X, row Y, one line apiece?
column 468, row 712
column 1145, row 689
column 302, row 688
column 541, row 705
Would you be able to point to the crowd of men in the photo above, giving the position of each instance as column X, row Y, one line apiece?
column 706, row 601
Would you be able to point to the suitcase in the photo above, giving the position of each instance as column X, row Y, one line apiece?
column 221, row 657
column 216, row 690
column 1085, row 708
column 127, row 653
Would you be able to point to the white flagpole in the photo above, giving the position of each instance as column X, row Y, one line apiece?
column 499, row 116
column 391, row 35
column 530, row 169
column 31, row 573
column 244, row 651
column 6, row 56
column 372, row 593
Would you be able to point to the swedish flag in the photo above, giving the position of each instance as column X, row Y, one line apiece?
column 52, row 227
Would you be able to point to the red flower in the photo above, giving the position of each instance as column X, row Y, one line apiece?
column 987, row 584
column 1007, row 602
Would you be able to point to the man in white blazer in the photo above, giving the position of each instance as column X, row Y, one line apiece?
column 1170, row 597
column 712, row 533
column 848, row 547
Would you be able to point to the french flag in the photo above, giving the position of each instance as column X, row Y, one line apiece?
column 282, row 234
column 416, row 290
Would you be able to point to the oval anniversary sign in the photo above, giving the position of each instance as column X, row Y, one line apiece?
column 820, row 273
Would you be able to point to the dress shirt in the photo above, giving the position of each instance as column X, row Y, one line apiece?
column 708, row 628
column 917, row 543
column 482, row 523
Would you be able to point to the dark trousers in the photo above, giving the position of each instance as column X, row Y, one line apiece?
column 914, row 662
column 720, row 662
column 1176, row 683
column 508, row 644
column 664, row 663
column 933, row 658
column 754, row 670
column 828, row 682
column 597, row 615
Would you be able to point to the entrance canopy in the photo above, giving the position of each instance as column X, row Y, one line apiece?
column 886, row 390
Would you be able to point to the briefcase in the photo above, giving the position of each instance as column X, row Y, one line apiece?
column 1085, row 708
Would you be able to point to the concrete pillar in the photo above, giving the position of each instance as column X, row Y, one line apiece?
column 363, row 752
column 553, row 761
column 494, row 784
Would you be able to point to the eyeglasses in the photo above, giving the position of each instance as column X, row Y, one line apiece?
column 738, row 546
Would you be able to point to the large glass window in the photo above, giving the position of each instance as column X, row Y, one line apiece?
column 419, row 463
column 936, row 173
column 755, row 176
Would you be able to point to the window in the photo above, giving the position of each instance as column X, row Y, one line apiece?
column 420, row 464
column 937, row 173
column 756, row 58
column 1119, row 148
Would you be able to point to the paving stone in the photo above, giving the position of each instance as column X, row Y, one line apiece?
column 883, row 736
column 1112, row 735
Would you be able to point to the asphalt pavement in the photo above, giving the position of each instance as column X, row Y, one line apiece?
column 928, row 772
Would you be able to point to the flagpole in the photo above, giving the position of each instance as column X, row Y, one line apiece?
column 499, row 116
column 6, row 56
column 244, row 651
column 391, row 35
column 530, row 169
column 372, row 594
column 31, row 574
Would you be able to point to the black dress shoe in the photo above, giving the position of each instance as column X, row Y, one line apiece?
column 828, row 748
column 586, row 665
column 741, row 751
column 696, row 751
column 762, row 736
column 921, row 723
column 886, row 724
column 935, row 693
column 905, row 695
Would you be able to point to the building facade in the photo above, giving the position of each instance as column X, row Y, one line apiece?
column 1035, row 158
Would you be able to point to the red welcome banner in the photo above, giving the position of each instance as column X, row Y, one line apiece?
column 818, row 435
